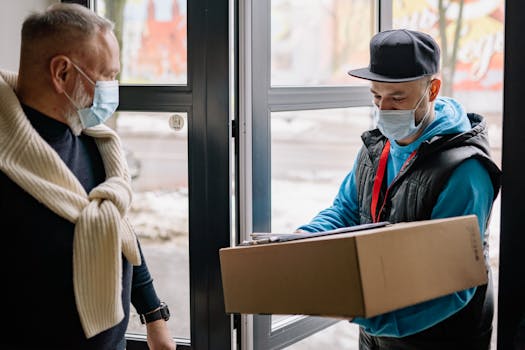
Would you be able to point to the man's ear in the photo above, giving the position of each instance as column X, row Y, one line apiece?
column 435, row 86
column 61, row 68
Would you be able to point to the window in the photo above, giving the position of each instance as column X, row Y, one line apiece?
column 182, row 177
column 157, row 155
column 472, row 73
column 295, row 97
column 297, row 91
column 317, row 42
column 153, row 38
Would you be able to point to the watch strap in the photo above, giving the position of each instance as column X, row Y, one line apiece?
column 162, row 312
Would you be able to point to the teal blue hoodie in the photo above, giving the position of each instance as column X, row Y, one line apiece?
column 468, row 191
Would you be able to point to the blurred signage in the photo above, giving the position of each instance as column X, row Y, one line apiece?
column 480, row 43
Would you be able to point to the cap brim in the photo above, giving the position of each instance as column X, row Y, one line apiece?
column 365, row 73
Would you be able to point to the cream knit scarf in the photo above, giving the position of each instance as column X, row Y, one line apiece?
column 102, row 232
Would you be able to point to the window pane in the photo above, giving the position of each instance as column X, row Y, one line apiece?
column 317, row 42
column 312, row 151
column 153, row 39
column 473, row 75
column 157, row 155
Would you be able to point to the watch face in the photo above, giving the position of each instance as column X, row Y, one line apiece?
column 165, row 312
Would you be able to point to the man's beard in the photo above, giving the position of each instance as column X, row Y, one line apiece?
column 82, row 99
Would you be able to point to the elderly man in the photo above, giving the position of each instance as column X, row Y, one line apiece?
column 427, row 159
column 72, row 263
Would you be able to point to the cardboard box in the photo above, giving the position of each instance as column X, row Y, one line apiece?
column 363, row 273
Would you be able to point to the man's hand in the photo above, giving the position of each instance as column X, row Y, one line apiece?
column 159, row 337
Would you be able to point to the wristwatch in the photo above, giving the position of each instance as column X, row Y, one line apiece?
column 161, row 313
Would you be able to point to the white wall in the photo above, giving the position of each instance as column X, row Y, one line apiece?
column 12, row 14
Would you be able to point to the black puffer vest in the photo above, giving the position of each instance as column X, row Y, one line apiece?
column 412, row 196
column 415, row 190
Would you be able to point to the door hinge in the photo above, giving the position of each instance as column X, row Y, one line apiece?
column 235, row 129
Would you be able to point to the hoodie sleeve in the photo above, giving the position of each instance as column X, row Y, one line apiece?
column 342, row 213
column 468, row 191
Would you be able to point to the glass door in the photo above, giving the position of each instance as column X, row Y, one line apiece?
column 471, row 36
column 304, row 115
column 153, row 39
column 175, row 123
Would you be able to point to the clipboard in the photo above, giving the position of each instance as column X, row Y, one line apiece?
column 266, row 238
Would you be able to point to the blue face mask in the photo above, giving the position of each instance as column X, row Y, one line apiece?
column 105, row 102
column 398, row 124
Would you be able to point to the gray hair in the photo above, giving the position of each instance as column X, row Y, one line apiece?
column 63, row 24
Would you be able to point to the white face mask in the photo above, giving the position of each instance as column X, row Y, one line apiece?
column 105, row 102
column 398, row 124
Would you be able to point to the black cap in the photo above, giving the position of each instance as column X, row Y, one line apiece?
column 400, row 55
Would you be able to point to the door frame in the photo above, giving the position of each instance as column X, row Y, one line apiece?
column 206, row 99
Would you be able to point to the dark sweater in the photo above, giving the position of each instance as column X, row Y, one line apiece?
column 39, row 308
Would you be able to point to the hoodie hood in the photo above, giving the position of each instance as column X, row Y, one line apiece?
column 451, row 127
